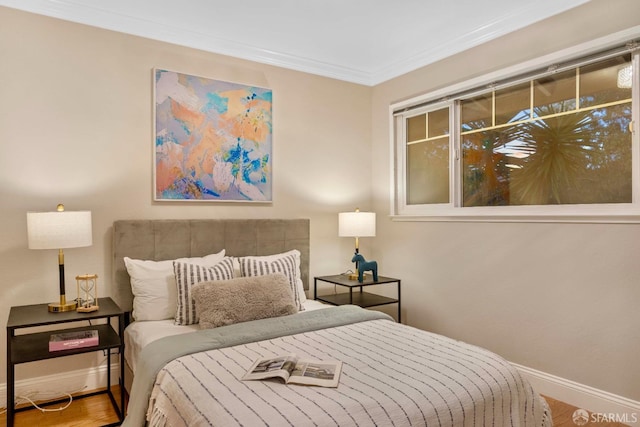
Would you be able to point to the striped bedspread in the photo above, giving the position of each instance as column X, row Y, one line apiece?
column 393, row 375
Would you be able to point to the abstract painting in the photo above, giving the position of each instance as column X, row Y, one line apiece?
column 213, row 140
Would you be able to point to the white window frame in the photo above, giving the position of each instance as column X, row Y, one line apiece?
column 454, row 211
column 402, row 157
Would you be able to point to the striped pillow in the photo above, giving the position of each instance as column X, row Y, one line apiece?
column 287, row 263
column 188, row 275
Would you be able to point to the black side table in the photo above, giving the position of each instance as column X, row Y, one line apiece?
column 34, row 346
column 363, row 299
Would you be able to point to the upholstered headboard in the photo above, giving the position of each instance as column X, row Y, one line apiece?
column 160, row 240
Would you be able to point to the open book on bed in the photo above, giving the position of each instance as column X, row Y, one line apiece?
column 295, row 371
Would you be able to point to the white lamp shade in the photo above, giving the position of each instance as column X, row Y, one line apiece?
column 59, row 230
column 357, row 224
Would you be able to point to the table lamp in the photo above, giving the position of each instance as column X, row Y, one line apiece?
column 356, row 224
column 59, row 230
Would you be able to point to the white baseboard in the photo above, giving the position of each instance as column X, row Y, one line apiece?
column 582, row 396
column 53, row 386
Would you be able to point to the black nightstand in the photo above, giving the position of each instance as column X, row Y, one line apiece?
column 34, row 346
column 363, row 299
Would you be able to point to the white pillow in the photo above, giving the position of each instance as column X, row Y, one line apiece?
column 188, row 275
column 154, row 285
column 287, row 263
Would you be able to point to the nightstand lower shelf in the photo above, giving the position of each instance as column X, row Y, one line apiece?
column 34, row 347
column 363, row 299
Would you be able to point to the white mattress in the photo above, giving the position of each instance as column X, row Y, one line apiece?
column 139, row 334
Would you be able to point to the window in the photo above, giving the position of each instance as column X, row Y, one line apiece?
column 553, row 143
column 428, row 157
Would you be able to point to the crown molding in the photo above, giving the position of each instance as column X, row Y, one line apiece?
column 101, row 18
column 529, row 13
column 79, row 12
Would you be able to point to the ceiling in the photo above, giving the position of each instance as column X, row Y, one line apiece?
column 360, row 41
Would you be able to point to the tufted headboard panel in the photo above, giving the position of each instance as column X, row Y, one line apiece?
column 160, row 240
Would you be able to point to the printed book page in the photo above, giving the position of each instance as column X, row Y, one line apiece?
column 295, row 371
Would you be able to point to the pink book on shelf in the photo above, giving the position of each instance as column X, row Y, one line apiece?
column 71, row 340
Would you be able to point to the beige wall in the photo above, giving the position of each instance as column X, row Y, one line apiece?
column 76, row 128
column 560, row 298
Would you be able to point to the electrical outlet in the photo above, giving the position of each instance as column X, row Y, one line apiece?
column 113, row 351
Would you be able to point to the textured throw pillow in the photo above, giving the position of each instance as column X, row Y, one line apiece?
column 238, row 300
column 286, row 263
column 187, row 275
column 153, row 285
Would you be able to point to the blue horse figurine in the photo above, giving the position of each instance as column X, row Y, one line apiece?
column 363, row 265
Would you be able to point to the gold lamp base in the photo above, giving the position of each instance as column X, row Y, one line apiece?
column 63, row 305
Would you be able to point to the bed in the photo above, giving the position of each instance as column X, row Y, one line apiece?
column 393, row 374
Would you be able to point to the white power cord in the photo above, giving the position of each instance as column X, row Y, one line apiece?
column 35, row 405
column 44, row 396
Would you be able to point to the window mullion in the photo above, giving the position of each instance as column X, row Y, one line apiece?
column 635, row 122
column 398, row 201
column 456, row 154
column 578, row 106
column 493, row 107
column 531, row 100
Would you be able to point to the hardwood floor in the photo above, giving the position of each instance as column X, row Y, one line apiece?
column 85, row 412
column 97, row 411
column 563, row 415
